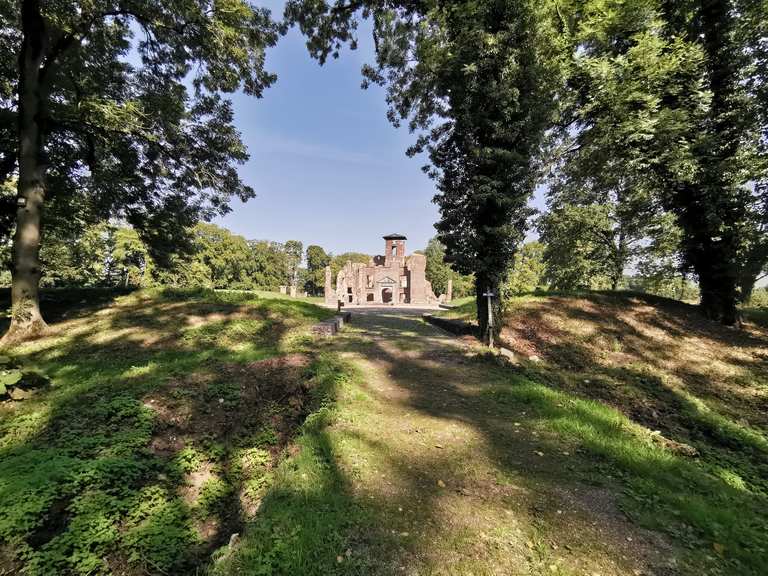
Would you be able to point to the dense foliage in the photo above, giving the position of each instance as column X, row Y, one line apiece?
column 112, row 255
column 94, row 487
column 665, row 114
column 654, row 112
column 317, row 260
column 647, row 117
column 220, row 259
column 114, row 109
column 439, row 272
column 527, row 273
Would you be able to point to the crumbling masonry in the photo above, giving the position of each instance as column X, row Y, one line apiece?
column 393, row 278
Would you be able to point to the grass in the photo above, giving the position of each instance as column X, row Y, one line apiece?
column 704, row 505
column 167, row 418
column 635, row 442
column 675, row 404
column 461, row 308
column 278, row 296
column 308, row 520
column 757, row 316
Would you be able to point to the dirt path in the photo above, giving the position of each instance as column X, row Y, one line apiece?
column 462, row 483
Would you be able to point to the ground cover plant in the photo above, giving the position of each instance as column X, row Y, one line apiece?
column 675, row 404
column 445, row 459
column 209, row 433
column 157, row 438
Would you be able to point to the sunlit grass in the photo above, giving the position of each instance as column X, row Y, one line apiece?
column 463, row 308
column 663, row 490
column 327, row 474
column 93, row 470
column 308, row 518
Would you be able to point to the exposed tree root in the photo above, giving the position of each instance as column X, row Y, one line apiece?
column 20, row 331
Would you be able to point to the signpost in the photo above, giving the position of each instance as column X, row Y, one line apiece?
column 490, row 295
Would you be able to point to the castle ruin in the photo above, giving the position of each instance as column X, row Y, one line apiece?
column 393, row 278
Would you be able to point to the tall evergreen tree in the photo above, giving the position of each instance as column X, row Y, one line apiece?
column 475, row 80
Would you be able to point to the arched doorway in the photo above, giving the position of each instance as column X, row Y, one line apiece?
column 386, row 295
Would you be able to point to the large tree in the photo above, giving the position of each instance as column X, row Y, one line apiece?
column 602, row 206
column 317, row 260
column 438, row 272
column 293, row 252
column 228, row 256
column 271, row 267
column 679, row 85
column 752, row 34
column 583, row 248
column 475, row 80
column 713, row 205
column 115, row 108
column 527, row 271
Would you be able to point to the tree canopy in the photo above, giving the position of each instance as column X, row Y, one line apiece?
column 666, row 101
column 317, row 260
column 650, row 109
column 475, row 80
column 115, row 109
column 646, row 118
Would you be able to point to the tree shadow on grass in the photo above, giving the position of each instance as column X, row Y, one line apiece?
column 58, row 304
column 158, row 438
column 93, row 471
column 717, row 500
column 667, row 384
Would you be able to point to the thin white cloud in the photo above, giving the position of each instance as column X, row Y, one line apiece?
column 282, row 146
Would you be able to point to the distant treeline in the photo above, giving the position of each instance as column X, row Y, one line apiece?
column 114, row 255
column 538, row 266
column 109, row 254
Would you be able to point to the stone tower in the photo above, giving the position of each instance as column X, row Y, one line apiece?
column 394, row 248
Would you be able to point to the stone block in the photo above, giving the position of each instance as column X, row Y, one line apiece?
column 508, row 354
column 325, row 328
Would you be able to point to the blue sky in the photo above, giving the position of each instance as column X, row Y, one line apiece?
column 327, row 166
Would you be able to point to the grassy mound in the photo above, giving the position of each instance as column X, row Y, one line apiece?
column 673, row 403
column 168, row 414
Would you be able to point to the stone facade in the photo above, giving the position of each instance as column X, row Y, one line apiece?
column 393, row 278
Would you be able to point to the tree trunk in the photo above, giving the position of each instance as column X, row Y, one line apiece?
column 620, row 261
column 718, row 279
column 25, row 300
column 716, row 264
column 750, row 271
column 681, row 294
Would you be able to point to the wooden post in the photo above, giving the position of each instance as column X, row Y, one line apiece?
column 490, row 296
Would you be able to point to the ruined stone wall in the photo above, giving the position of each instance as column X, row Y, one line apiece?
column 417, row 281
column 403, row 277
